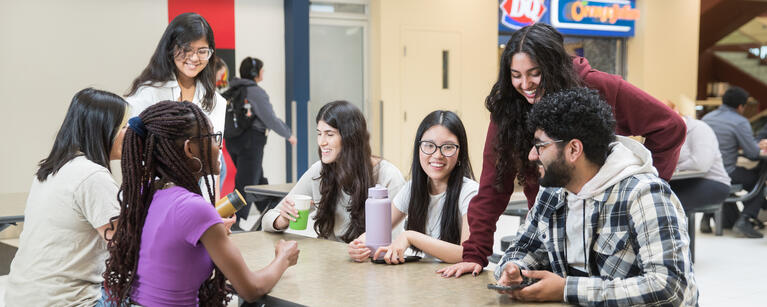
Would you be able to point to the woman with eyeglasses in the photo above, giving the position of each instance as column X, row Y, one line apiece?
column 171, row 248
column 436, row 199
column 339, row 182
column 179, row 71
column 73, row 196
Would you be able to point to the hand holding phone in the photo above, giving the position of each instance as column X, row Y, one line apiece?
column 407, row 259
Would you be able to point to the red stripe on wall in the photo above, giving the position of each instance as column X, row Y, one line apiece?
column 219, row 14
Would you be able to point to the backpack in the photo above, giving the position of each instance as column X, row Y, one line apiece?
column 236, row 122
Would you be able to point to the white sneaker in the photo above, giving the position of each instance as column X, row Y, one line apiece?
column 247, row 224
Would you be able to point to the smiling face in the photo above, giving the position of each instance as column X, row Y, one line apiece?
column 436, row 165
column 329, row 141
column 188, row 62
column 526, row 77
column 555, row 172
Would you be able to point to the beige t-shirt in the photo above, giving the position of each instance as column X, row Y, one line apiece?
column 389, row 176
column 61, row 255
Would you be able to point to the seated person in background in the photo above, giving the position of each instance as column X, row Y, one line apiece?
column 340, row 180
column 72, row 198
column 605, row 229
column 441, row 187
column 697, row 155
column 171, row 248
column 733, row 132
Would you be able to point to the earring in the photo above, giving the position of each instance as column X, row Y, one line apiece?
column 198, row 160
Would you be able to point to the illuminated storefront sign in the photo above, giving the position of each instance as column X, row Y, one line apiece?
column 587, row 18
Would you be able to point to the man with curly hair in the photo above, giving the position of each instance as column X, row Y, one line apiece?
column 605, row 229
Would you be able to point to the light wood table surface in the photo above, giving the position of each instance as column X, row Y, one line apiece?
column 325, row 276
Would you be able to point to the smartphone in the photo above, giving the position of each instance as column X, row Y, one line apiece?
column 407, row 259
column 505, row 288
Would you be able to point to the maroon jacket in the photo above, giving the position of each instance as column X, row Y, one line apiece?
column 636, row 113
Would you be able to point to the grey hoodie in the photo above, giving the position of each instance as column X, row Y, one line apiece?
column 627, row 158
column 262, row 108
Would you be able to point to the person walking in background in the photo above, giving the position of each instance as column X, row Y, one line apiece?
column 72, row 199
column 178, row 70
column 697, row 155
column 436, row 199
column 733, row 131
column 171, row 247
column 338, row 183
column 246, row 148
column 534, row 64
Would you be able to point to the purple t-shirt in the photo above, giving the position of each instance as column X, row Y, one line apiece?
column 172, row 262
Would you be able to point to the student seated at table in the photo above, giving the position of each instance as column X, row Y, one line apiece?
column 339, row 182
column 72, row 198
column 436, row 198
column 605, row 230
column 700, row 153
column 171, row 247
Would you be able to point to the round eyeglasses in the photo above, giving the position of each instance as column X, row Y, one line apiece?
column 447, row 150
column 203, row 53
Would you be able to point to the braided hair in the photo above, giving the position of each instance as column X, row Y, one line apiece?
column 152, row 156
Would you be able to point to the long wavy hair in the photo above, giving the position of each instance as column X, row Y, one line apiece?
column 509, row 109
column 352, row 172
column 89, row 129
column 182, row 31
column 147, row 163
column 418, row 208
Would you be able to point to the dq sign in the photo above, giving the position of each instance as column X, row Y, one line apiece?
column 614, row 18
column 519, row 13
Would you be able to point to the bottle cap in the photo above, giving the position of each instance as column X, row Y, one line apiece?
column 378, row 191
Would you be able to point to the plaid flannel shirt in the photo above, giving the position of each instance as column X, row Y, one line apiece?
column 638, row 253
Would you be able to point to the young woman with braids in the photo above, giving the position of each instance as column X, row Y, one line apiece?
column 533, row 64
column 72, row 199
column 339, row 182
column 437, row 197
column 171, row 247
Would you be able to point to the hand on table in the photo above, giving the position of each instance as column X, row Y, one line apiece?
column 395, row 252
column 287, row 250
column 357, row 249
column 459, row 269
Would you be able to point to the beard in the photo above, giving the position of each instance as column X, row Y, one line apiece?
column 557, row 174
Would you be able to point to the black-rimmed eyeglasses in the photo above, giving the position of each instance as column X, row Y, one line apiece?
column 540, row 145
column 447, row 150
column 215, row 137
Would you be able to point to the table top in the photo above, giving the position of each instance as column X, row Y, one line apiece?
column 12, row 207
column 325, row 276
column 687, row 175
column 276, row 190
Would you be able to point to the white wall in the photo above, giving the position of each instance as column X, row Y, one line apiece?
column 259, row 29
column 52, row 49
column 477, row 24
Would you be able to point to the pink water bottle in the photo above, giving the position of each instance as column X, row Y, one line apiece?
column 377, row 218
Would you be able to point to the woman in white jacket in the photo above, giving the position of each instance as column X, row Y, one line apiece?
column 178, row 70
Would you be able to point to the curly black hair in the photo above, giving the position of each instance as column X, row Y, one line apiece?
column 577, row 113
column 509, row 109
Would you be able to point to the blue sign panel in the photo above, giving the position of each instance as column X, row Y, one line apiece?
column 613, row 18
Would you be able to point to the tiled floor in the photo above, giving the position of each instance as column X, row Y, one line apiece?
column 729, row 271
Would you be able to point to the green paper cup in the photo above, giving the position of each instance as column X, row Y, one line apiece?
column 302, row 203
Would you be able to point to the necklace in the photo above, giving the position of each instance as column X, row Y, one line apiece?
column 168, row 184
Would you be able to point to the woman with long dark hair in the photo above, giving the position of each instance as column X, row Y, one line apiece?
column 339, row 182
column 171, row 247
column 436, row 199
column 72, row 199
column 534, row 64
